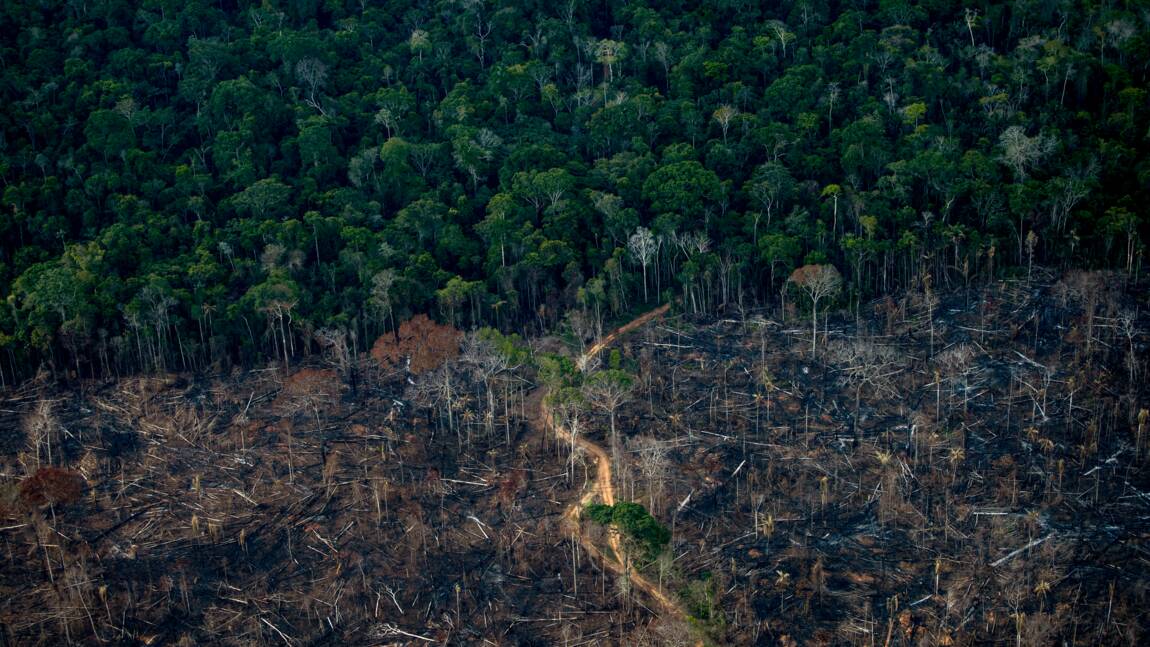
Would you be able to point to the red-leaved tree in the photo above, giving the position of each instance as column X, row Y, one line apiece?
column 420, row 341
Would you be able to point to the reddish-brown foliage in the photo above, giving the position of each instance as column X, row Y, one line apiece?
column 426, row 343
column 52, row 485
column 817, row 280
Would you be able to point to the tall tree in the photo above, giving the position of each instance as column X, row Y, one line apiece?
column 608, row 390
column 643, row 246
column 817, row 282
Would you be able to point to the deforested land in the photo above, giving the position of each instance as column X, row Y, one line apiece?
column 467, row 322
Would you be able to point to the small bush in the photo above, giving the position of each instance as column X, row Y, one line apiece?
column 633, row 520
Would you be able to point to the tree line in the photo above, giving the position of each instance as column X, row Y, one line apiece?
column 194, row 185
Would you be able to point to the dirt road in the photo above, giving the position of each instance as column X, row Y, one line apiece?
column 602, row 488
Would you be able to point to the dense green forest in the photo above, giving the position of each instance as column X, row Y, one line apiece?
column 192, row 185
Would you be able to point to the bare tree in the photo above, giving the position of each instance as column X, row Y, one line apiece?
column 833, row 94
column 693, row 242
column 782, row 35
column 865, row 364
column 1070, row 191
column 970, row 18
column 1088, row 289
column 159, row 304
column 310, row 390
column 39, row 427
column 833, row 191
column 313, row 74
column 1128, row 325
column 379, row 302
column 583, row 326
column 486, row 363
column 335, row 346
column 643, row 246
column 567, row 406
column 608, row 53
column 817, row 282
column 724, row 114
column 1020, row 151
column 654, row 461
column 436, row 390
column 607, row 391
column 956, row 364
column 482, row 33
column 279, row 316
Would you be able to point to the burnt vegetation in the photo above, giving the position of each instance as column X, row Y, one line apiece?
column 961, row 470
column 878, row 492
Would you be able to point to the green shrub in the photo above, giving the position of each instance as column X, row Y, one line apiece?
column 635, row 523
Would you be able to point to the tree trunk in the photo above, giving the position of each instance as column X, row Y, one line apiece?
column 814, row 325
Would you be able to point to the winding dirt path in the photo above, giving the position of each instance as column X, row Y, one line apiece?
column 602, row 488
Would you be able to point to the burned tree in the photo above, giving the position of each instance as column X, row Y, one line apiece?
column 567, row 405
column 654, row 464
column 607, row 391
column 957, row 365
column 39, row 427
column 1088, row 291
column 865, row 364
column 337, row 350
column 486, row 362
column 310, row 390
